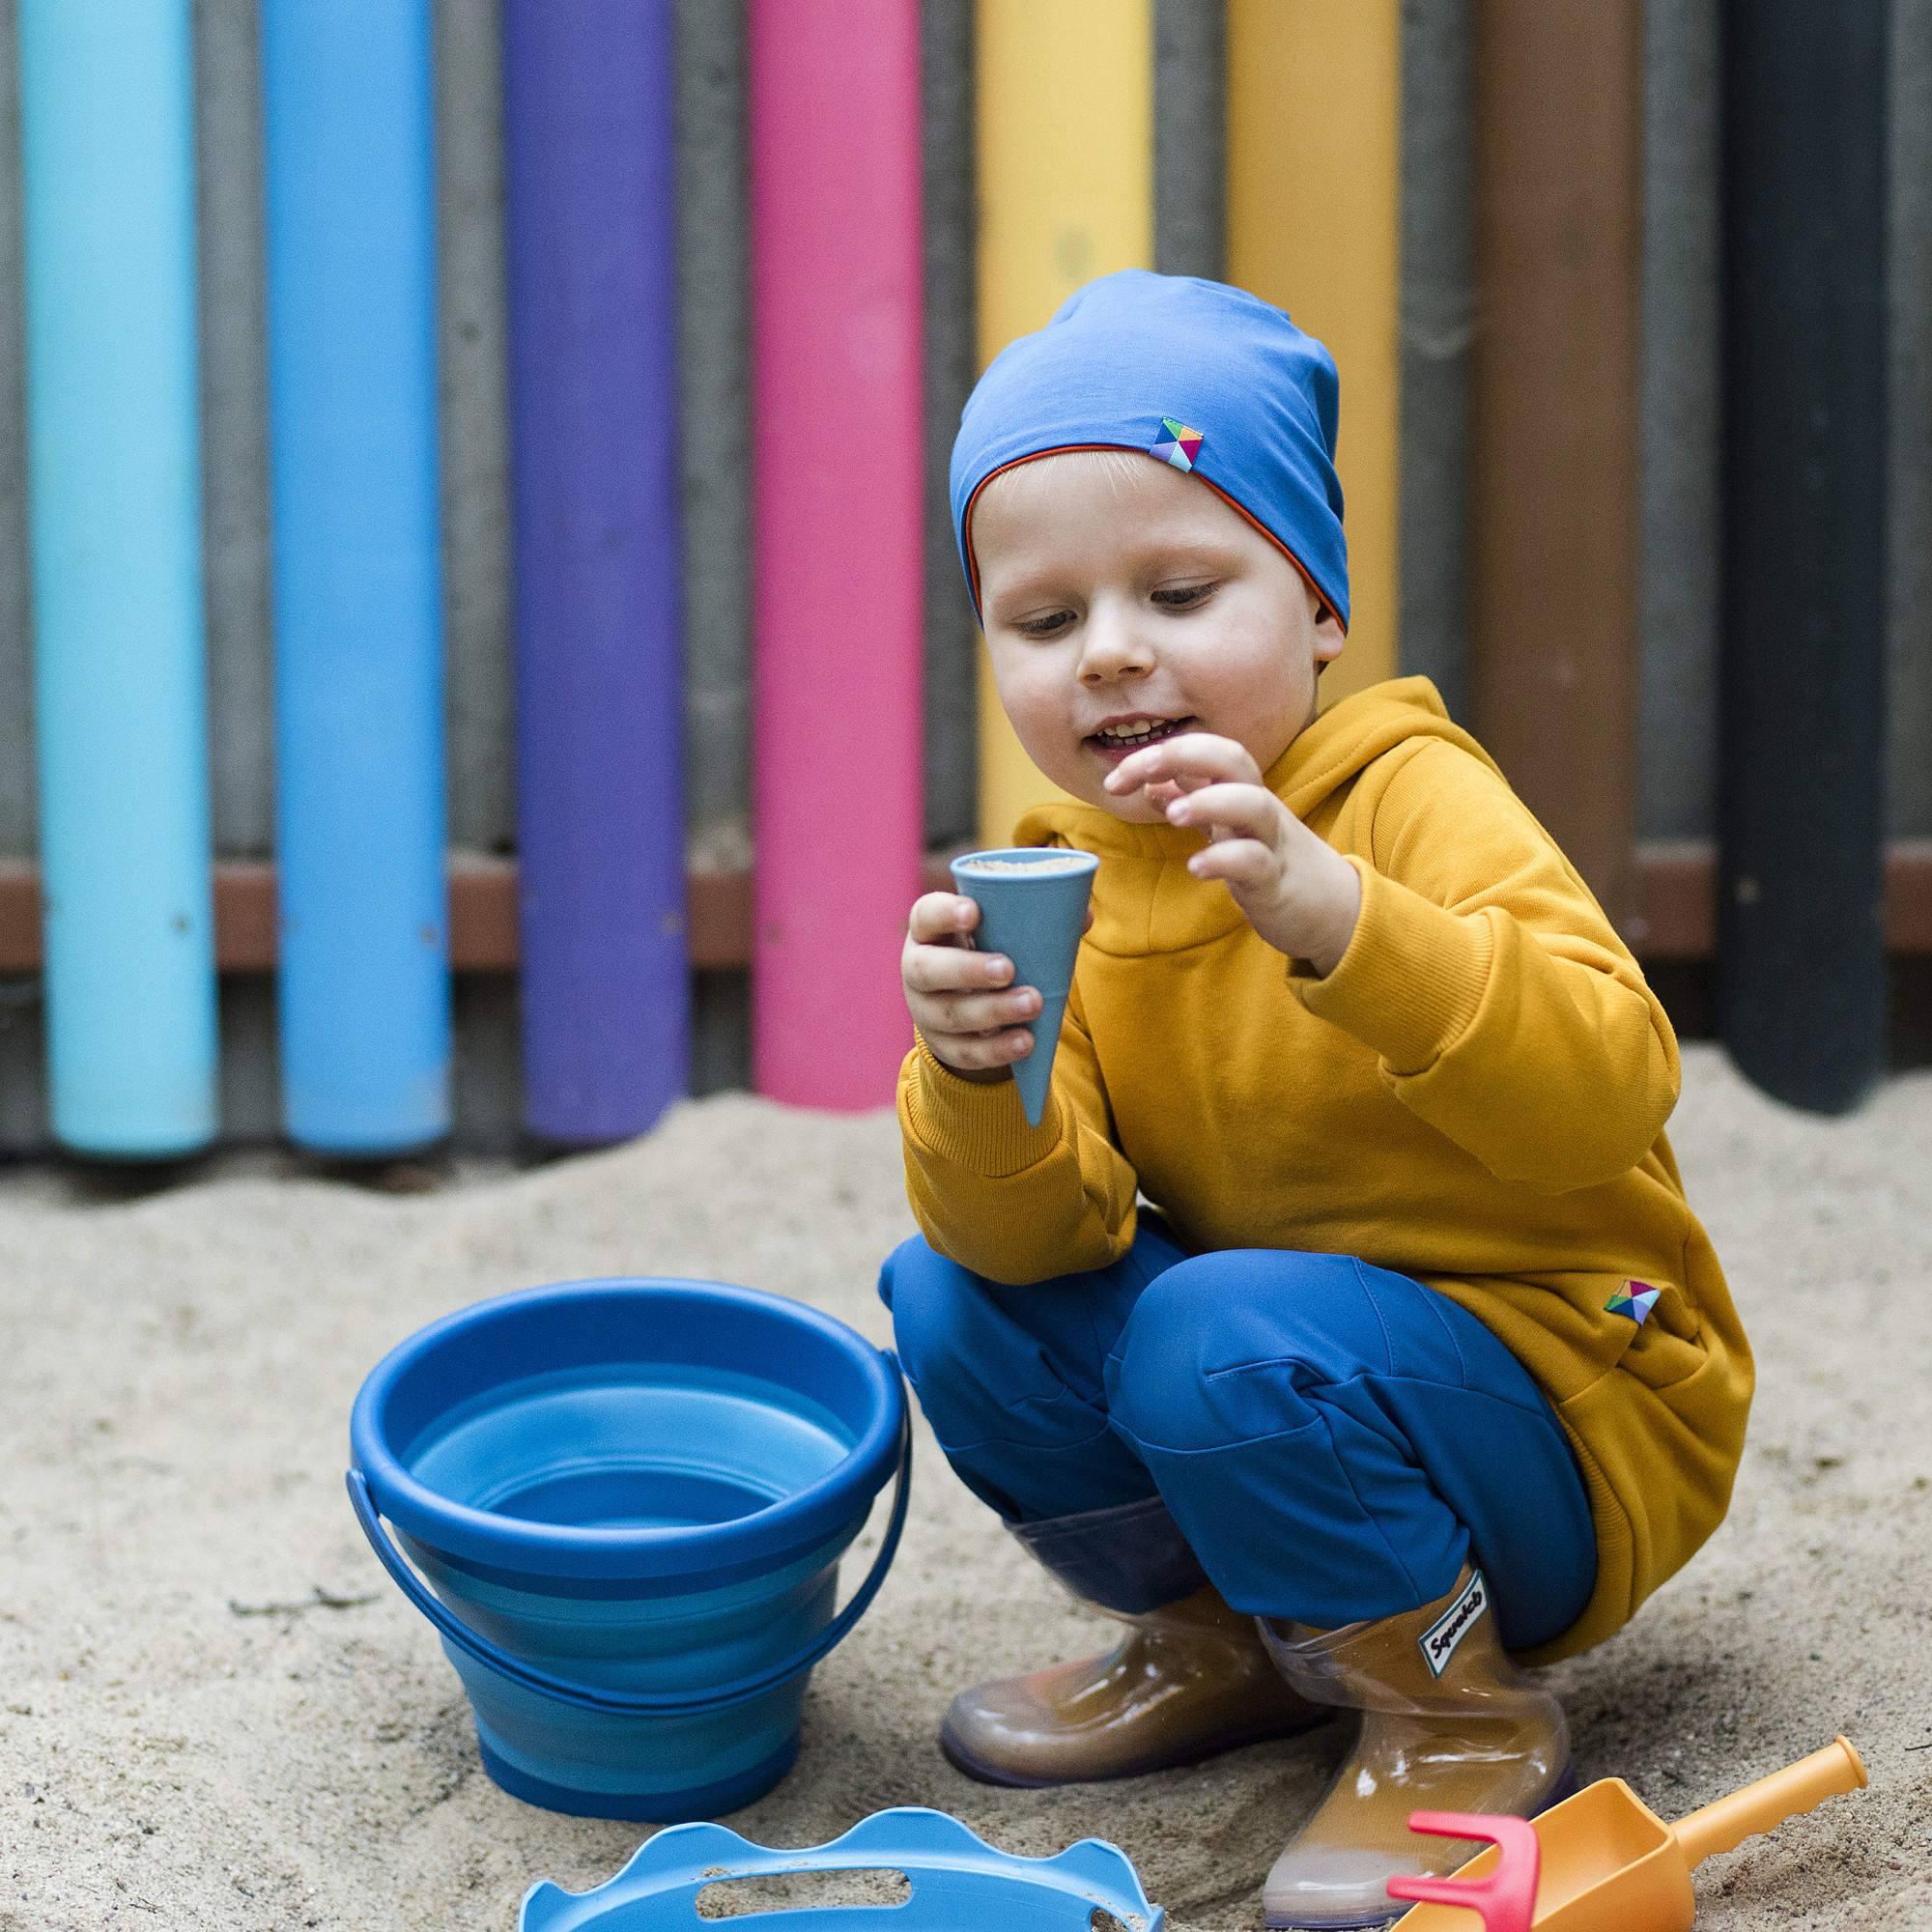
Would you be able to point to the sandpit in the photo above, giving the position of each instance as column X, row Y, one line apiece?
column 215, row 1712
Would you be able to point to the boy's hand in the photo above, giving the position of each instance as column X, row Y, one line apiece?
column 959, row 999
column 1297, row 891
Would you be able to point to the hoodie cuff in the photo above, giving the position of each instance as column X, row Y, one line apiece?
column 1412, row 977
column 975, row 1125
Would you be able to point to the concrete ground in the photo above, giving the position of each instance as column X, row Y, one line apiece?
column 215, row 1712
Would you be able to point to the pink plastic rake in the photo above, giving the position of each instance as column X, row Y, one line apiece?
column 1504, row 1897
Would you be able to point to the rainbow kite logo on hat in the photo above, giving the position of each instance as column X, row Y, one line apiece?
column 1634, row 1299
column 1177, row 445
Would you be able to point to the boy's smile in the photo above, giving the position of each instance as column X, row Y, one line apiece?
column 1126, row 602
column 1118, row 736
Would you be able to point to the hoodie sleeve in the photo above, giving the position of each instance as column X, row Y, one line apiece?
column 1504, row 1009
column 1013, row 1203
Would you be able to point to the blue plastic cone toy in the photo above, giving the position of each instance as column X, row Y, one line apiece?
column 1033, row 907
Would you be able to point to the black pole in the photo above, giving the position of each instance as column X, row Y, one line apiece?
column 1800, row 962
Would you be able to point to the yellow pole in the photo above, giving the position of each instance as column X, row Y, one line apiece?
column 1314, row 177
column 1065, row 126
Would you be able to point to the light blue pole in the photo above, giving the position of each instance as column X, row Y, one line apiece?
column 365, row 1022
column 114, row 481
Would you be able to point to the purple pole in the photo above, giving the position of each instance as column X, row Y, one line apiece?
column 600, row 767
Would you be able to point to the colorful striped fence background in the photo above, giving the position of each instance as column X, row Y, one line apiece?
column 476, row 608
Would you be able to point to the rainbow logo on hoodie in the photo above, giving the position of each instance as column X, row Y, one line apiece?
column 1634, row 1299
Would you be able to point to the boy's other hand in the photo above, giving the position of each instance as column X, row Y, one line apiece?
column 962, row 1000
column 1296, row 890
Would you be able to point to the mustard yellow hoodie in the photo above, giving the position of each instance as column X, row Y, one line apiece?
column 1475, row 1096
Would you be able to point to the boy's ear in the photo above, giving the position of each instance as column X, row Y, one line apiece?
column 1328, row 637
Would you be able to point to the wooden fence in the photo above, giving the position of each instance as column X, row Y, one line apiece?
column 662, row 315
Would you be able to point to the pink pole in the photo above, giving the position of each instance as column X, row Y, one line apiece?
column 836, row 346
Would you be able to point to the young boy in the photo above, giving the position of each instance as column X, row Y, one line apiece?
column 1418, row 1356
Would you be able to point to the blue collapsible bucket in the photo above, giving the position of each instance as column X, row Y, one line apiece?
column 628, row 1498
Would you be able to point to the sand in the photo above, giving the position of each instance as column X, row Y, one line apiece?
column 217, row 1713
column 1038, row 868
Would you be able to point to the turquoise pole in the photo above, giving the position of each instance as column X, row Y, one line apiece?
column 114, row 481
column 364, row 987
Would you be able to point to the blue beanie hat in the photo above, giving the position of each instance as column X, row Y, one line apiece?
column 1207, row 378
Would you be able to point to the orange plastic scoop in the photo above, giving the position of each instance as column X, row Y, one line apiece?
column 1610, row 1864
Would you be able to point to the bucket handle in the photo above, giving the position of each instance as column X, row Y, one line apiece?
column 637, row 1703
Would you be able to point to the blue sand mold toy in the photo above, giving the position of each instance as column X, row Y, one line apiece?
column 958, row 1882
column 628, row 1498
column 1034, row 917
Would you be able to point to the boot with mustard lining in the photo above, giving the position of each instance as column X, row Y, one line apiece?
column 1448, row 1723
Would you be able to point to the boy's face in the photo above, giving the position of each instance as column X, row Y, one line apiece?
column 1118, row 590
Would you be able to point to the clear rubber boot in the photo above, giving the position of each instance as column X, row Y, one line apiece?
column 1188, row 1681
column 1448, row 1723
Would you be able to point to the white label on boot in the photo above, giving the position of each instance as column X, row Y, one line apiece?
column 1438, row 1641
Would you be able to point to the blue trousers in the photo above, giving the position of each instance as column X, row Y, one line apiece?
column 1322, row 1439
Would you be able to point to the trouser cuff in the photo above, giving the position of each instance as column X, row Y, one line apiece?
column 1128, row 1558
